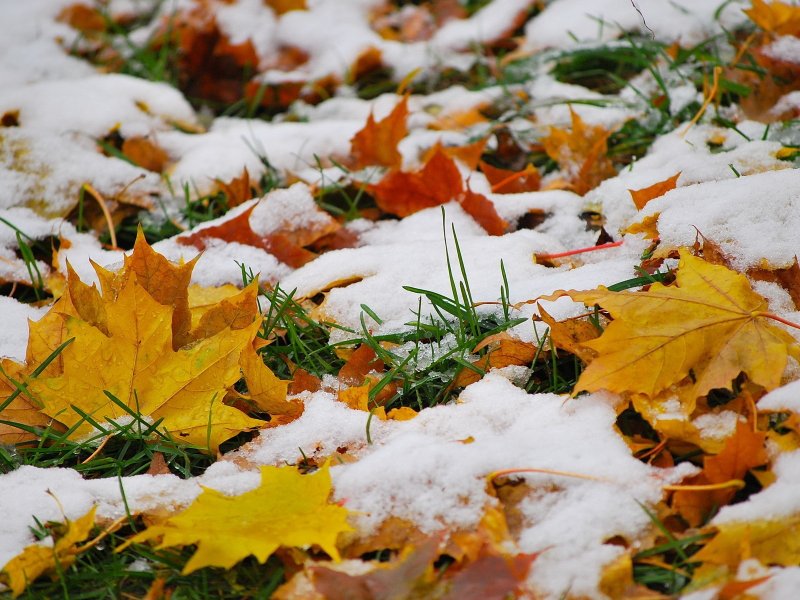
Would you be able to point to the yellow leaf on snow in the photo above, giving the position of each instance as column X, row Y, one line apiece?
column 36, row 560
column 710, row 323
column 287, row 509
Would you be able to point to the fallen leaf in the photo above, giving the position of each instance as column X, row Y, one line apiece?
column 743, row 451
column 571, row 334
column 438, row 182
column 394, row 580
column 402, row 194
column 376, row 143
column 776, row 17
column 580, row 153
column 145, row 153
column 503, row 351
column 265, row 389
column 239, row 189
column 287, row 509
column 283, row 6
column 237, row 228
column 126, row 351
column 37, row 559
column 710, row 323
column 505, row 181
column 772, row 542
column 21, row 410
column 643, row 196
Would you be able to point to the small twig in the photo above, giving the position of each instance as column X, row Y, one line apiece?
column 99, row 449
column 641, row 14
column 111, row 528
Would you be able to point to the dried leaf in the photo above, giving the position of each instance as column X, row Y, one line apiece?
column 710, row 323
column 376, row 143
column 283, row 6
column 643, row 196
column 265, row 389
column 580, row 153
column 504, row 181
column 145, row 153
column 37, row 559
column 132, row 357
column 743, row 451
column 780, row 18
column 287, row 509
column 571, row 334
column 772, row 542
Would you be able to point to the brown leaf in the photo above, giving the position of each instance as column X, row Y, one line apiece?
column 239, row 189
column 788, row 278
column 643, row 196
column 283, row 6
column 361, row 362
column 376, row 143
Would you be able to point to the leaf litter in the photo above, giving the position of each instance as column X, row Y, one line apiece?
column 367, row 317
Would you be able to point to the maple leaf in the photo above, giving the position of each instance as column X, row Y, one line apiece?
column 20, row 410
column 145, row 153
column 643, row 196
column 709, row 324
column 124, row 349
column 503, row 351
column 743, row 451
column 287, row 509
column 776, row 17
column 504, row 181
column 376, row 143
column 286, row 244
column 580, row 153
column 771, row 541
column 36, row 560
column 438, row 182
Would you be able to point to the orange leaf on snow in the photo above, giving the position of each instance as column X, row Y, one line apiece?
column 504, row 351
column 438, row 182
column 237, row 229
column 580, row 153
column 376, row 143
column 643, row 196
column 504, row 181
column 470, row 154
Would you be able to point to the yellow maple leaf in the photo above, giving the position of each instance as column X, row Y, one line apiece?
column 776, row 17
column 287, row 509
column 124, row 346
column 36, row 560
column 710, row 326
column 771, row 541
column 580, row 153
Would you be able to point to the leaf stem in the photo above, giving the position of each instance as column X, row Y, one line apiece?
column 775, row 317
column 495, row 474
column 578, row 251
column 734, row 483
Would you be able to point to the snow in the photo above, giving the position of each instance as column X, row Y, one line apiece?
column 431, row 470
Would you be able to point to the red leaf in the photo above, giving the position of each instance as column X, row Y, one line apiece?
column 376, row 143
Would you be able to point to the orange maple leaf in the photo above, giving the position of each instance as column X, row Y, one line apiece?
column 580, row 153
column 642, row 196
column 286, row 245
column 438, row 182
column 376, row 143
column 504, row 181
column 743, row 451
